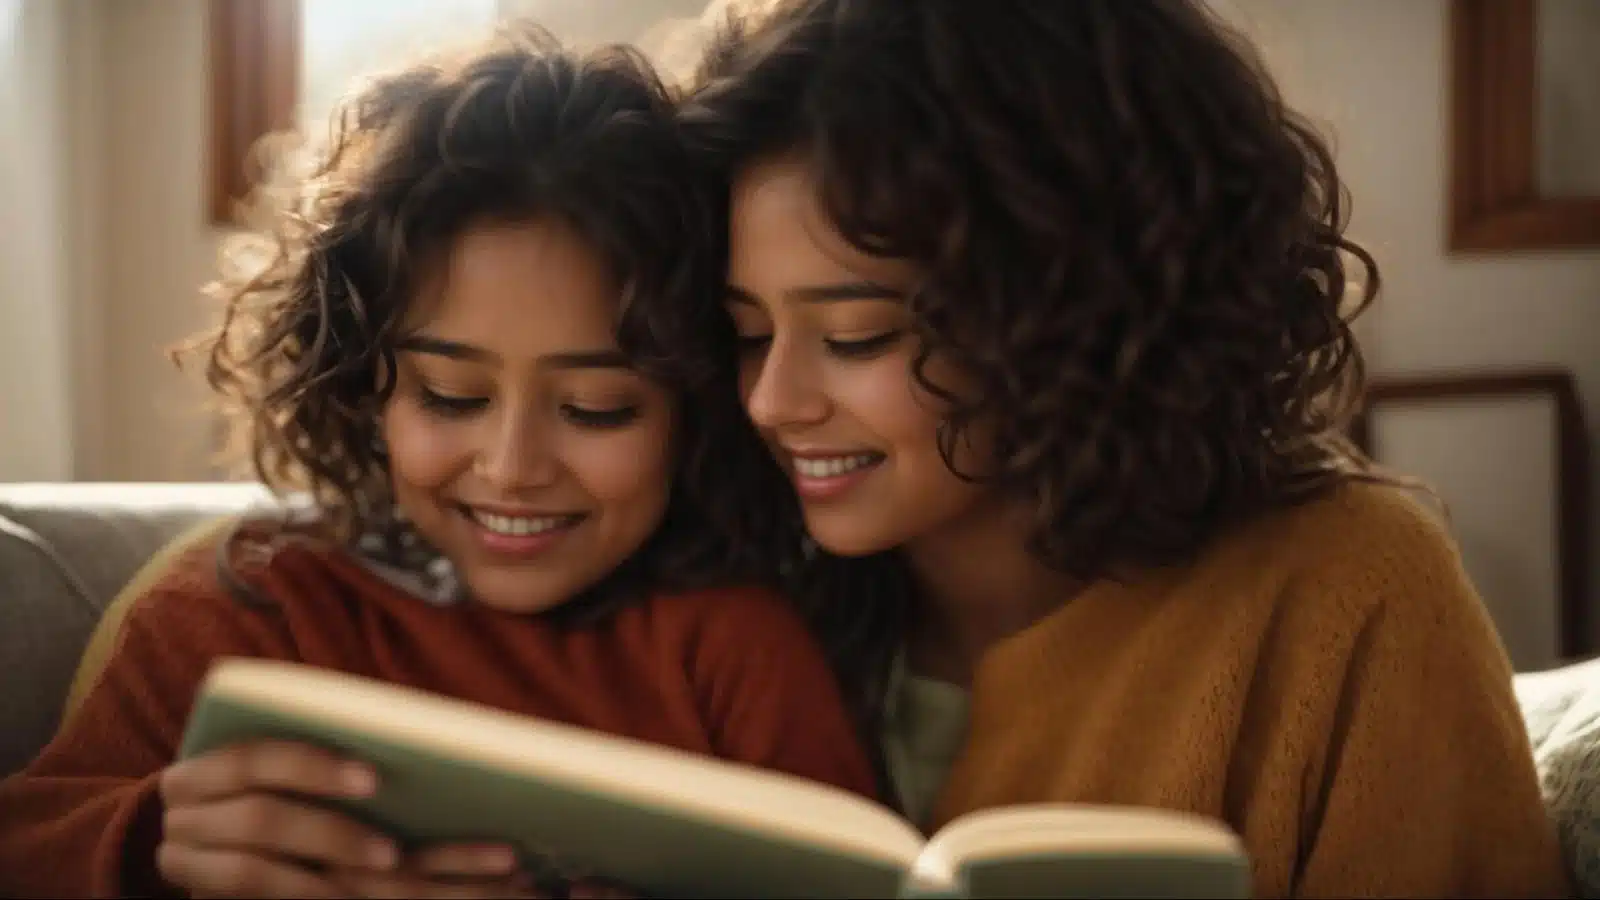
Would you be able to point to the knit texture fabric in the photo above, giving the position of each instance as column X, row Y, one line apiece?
column 1325, row 680
column 731, row 673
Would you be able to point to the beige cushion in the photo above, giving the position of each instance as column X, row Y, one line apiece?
column 1562, row 711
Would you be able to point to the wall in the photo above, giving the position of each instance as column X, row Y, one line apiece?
column 159, row 245
column 1374, row 72
column 49, row 344
column 101, row 165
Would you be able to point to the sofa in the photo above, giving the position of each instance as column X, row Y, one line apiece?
column 66, row 550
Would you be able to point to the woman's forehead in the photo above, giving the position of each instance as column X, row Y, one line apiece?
column 780, row 232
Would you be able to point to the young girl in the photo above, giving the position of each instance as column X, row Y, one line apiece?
column 1041, row 310
column 518, row 495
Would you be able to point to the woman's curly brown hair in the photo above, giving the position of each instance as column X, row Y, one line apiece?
column 515, row 131
column 1129, row 244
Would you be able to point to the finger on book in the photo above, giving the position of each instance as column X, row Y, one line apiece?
column 281, row 826
column 398, row 885
column 217, row 872
column 266, row 765
column 465, row 859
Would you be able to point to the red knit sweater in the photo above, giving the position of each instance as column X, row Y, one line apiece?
column 732, row 673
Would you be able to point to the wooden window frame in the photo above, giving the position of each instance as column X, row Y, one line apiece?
column 255, row 82
column 1494, row 202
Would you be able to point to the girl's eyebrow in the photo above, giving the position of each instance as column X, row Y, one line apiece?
column 421, row 343
column 608, row 358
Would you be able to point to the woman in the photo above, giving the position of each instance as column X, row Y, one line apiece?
column 1042, row 309
column 516, row 496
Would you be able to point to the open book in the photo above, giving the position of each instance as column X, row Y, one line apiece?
column 675, row 824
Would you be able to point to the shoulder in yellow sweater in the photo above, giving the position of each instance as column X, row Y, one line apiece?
column 1324, row 679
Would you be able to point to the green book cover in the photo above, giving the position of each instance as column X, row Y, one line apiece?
column 675, row 824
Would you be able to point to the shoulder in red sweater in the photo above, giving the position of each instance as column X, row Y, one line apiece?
column 730, row 672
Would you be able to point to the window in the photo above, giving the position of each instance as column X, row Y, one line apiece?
column 255, row 49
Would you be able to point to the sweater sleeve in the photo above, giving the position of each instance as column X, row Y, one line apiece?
column 84, row 818
column 770, row 696
column 1428, row 785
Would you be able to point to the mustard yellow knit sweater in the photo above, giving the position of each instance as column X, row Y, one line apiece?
column 1325, row 680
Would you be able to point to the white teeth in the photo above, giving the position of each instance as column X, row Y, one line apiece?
column 517, row 525
column 838, row 465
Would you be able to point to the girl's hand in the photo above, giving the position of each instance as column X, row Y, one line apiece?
column 467, row 871
column 230, row 830
column 234, row 828
column 456, row 871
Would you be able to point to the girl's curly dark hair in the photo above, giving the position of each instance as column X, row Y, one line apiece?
column 519, row 130
column 1129, row 244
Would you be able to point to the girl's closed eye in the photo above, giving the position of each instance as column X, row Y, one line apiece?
column 449, row 404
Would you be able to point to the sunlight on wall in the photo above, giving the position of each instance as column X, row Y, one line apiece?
column 36, row 317
column 10, row 21
column 345, row 40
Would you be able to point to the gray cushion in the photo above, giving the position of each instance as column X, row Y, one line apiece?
column 65, row 551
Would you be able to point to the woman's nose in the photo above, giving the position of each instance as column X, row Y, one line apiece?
column 784, row 390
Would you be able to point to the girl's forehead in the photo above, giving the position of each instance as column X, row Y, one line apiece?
column 520, row 291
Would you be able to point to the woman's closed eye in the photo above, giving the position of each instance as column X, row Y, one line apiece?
column 844, row 348
column 864, row 347
column 753, row 343
column 600, row 416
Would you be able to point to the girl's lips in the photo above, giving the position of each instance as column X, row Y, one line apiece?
column 518, row 536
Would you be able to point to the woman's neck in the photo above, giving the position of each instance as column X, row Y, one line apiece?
column 978, row 585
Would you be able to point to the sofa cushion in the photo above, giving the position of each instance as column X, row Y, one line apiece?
column 43, row 609
column 65, row 551
column 103, row 638
column 1562, row 711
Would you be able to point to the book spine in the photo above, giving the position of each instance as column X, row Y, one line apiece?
column 921, row 889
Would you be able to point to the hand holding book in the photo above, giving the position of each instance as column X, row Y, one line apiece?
column 251, row 819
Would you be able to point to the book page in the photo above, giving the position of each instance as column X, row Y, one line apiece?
column 1070, row 828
